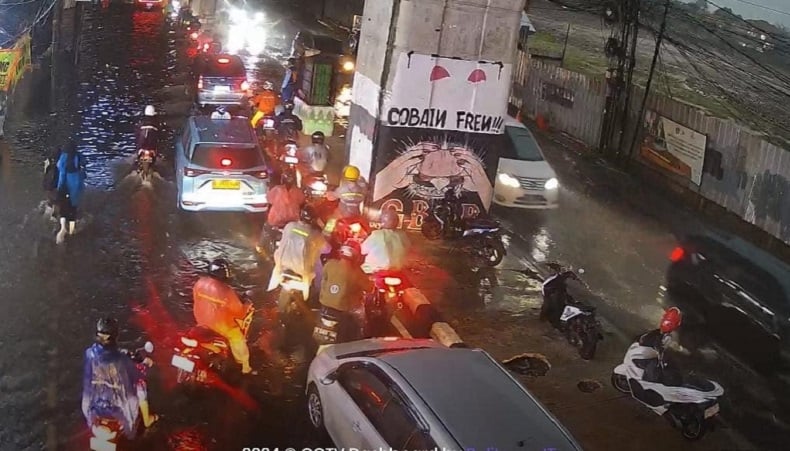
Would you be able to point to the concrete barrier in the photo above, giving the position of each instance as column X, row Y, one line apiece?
column 420, row 319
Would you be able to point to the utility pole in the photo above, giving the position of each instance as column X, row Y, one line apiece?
column 633, row 19
column 565, row 46
column 650, row 76
column 55, row 47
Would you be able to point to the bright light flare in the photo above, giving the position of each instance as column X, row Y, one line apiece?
column 237, row 15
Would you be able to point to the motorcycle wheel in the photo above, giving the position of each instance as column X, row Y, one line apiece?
column 432, row 230
column 620, row 383
column 693, row 427
column 492, row 252
column 588, row 345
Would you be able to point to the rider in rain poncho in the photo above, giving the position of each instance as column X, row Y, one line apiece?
column 112, row 386
column 386, row 248
column 300, row 249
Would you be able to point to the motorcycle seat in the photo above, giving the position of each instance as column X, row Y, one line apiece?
column 288, row 274
column 483, row 223
column 697, row 383
column 204, row 334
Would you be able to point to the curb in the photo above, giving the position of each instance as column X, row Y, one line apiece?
column 425, row 321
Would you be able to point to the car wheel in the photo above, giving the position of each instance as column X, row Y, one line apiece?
column 315, row 409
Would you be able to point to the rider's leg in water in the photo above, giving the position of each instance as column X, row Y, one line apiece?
column 145, row 410
column 239, row 349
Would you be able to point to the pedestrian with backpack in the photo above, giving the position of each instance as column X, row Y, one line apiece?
column 50, row 181
column 71, row 184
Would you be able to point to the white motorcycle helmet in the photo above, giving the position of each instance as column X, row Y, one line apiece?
column 150, row 110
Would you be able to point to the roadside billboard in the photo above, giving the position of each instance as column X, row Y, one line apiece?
column 673, row 147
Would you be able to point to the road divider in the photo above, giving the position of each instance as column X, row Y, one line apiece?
column 420, row 319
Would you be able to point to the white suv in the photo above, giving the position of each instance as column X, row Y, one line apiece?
column 391, row 393
column 220, row 166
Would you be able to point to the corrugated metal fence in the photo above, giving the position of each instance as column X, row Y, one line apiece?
column 744, row 172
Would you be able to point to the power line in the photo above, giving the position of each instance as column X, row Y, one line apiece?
column 761, row 6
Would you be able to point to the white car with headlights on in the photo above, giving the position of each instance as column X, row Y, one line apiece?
column 524, row 179
column 392, row 393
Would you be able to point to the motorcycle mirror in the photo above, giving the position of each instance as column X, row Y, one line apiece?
column 149, row 347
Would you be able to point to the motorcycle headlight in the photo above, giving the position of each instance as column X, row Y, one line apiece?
column 508, row 180
column 348, row 66
column 552, row 183
column 318, row 185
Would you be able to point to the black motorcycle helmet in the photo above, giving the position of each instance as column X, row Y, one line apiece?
column 307, row 214
column 317, row 137
column 288, row 179
column 107, row 331
column 288, row 107
column 220, row 269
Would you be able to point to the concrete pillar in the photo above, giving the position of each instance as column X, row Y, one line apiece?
column 430, row 98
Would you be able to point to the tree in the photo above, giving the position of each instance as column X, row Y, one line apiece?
column 701, row 5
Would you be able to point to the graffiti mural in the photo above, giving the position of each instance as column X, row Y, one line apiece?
column 423, row 165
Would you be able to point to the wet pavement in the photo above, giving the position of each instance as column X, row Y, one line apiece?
column 621, row 234
column 134, row 257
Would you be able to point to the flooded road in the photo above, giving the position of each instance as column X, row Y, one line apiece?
column 134, row 257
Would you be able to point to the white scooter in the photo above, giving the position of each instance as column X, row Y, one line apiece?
column 690, row 406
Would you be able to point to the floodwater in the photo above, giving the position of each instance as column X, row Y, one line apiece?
column 134, row 257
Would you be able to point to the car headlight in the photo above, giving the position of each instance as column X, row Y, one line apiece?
column 508, row 180
column 348, row 66
column 552, row 183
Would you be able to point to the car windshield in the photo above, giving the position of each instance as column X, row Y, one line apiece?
column 520, row 145
column 216, row 67
column 217, row 156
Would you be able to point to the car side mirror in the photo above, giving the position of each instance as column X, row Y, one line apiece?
column 149, row 347
column 330, row 378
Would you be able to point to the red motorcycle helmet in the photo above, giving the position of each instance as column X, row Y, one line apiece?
column 671, row 320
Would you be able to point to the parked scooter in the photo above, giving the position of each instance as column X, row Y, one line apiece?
column 204, row 354
column 690, row 403
column 574, row 318
column 107, row 433
column 479, row 236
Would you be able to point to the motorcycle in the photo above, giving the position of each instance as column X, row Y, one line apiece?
column 335, row 327
column 387, row 298
column 479, row 236
column 314, row 186
column 144, row 164
column 106, row 433
column 204, row 354
column 269, row 241
column 347, row 230
column 573, row 318
column 292, row 289
column 289, row 161
column 690, row 405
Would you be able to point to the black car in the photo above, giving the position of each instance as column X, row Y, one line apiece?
column 740, row 292
column 221, row 80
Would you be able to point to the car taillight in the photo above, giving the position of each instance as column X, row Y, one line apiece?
column 200, row 82
column 225, row 162
column 677, row 254
column 244, row 85
column 192, row 343
column 258, row 174
column 189, row 172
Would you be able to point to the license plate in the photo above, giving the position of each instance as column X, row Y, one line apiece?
column 291, row 160
column 221, row 89
column 183, row 363
column 711, row 411
column 226, row 184
column 329, row 334
column 268, row 124
column 102, row 444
